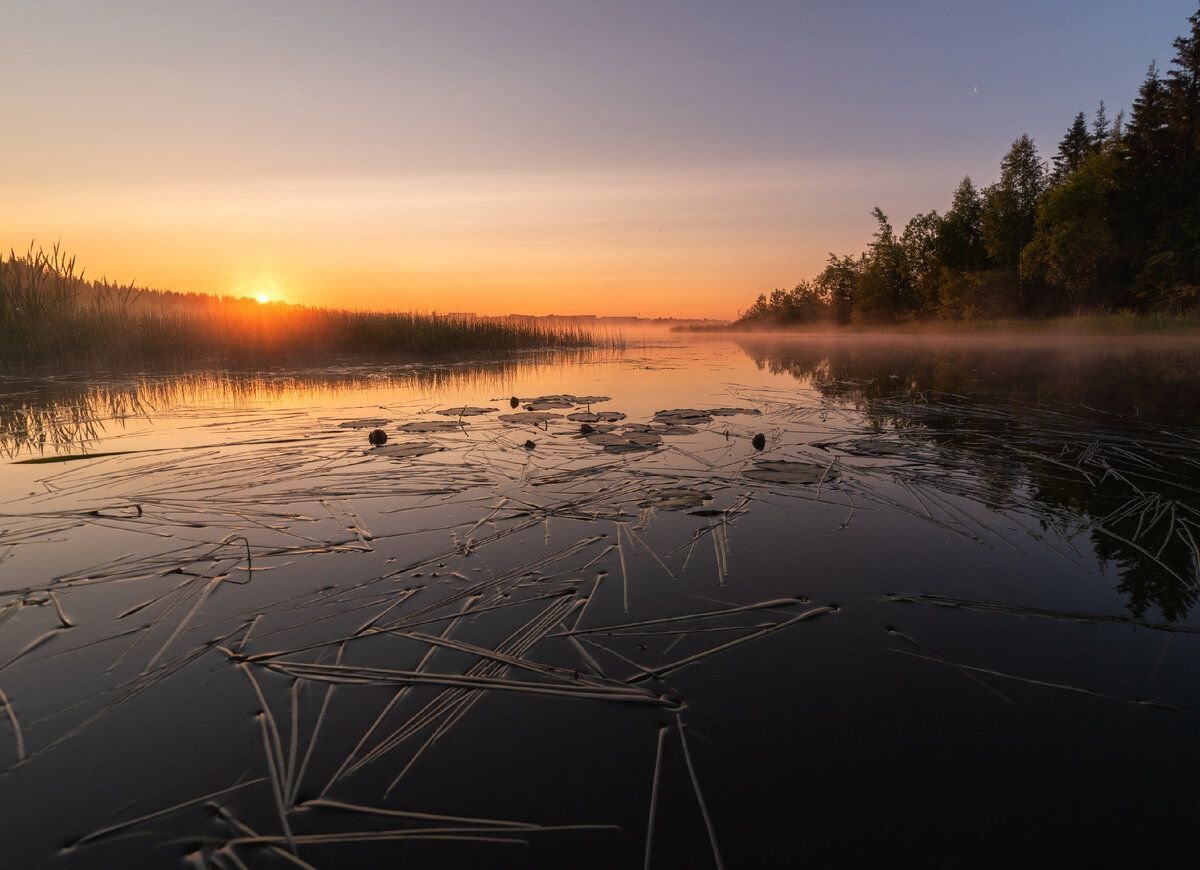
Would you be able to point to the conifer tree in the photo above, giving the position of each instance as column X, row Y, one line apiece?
column 1074, row 148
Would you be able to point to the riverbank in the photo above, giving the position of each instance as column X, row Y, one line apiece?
column 1102, row 323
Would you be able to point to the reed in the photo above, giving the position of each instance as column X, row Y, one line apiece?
column 50, row 313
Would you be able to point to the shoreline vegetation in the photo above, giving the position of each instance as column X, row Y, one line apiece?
column 1112, row 225
column 1083, row 324
column 50, row 313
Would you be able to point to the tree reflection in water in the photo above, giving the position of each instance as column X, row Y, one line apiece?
column 1103, row 431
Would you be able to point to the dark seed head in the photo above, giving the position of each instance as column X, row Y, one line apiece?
column 529, row 445
column 514, row 402
column 377, row 437
column 585, row 429
column 759, row 441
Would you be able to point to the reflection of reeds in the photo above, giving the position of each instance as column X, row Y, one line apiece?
column 50, row 313
column 52, row 416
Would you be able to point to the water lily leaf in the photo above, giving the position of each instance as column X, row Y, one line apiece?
column 604, row 439
column 614, row 443
column 422, row 426
column 596, row 417
column 405, row 450
column 676, row 499
column 730, row 412
column 644, row 439
column 467, row 411
column 787, row 471
column 529, row 417
column 370, row 423
column 589, row 428
column 683, row 416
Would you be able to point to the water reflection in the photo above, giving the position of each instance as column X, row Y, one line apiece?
column 72, row 413
column 243, row 631
column 1094, row 431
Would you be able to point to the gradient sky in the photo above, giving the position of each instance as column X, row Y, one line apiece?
column 653, row 158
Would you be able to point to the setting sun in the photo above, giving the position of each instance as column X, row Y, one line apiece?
column 262, row 298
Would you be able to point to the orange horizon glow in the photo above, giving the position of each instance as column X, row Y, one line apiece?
column 698, row 243
column 612, row 159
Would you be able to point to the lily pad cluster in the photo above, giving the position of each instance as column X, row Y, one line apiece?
column 597, row 417
column 561, row 400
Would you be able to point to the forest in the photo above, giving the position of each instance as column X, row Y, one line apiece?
column 1111, row 222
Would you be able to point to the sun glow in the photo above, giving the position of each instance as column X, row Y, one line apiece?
column 262, row 298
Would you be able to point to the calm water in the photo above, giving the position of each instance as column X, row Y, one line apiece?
column 946, row 615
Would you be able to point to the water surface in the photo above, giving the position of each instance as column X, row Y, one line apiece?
column 945, row 615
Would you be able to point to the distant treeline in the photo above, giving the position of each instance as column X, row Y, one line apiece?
column 49, row 313
column 1114, row 223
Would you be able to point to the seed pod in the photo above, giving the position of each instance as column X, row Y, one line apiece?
column 759, row 441
column 377, row 437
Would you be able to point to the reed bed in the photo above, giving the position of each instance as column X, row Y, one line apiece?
column 50, row 314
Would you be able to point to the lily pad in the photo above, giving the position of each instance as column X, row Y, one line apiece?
column 371, row 423
column 596, row 417
column 422, row 426
column 696, row 416
column 683, row 416
column 676, row 499
column 730, row 412
column 529, row 417
column 589, row 428
column 405, row 450
column 787, row 471
column 624, row 443
column 467, row 411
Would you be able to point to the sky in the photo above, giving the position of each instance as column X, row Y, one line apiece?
column 648, row 157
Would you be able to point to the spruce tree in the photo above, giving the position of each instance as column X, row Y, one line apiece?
column 1073, row 149
column 1100, row 128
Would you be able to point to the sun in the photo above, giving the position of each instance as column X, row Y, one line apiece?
column 262, row 298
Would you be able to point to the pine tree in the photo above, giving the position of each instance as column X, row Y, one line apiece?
column 1100, row 129
column 1073, row 149
column 960, row 236
column 1145, row 135
column 1010, row 209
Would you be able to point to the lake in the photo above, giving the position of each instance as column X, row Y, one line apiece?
column 944, row 616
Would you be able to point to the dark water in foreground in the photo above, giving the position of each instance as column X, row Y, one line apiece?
column 946, row 617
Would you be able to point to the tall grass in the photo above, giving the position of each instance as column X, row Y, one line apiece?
column 49, row 312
